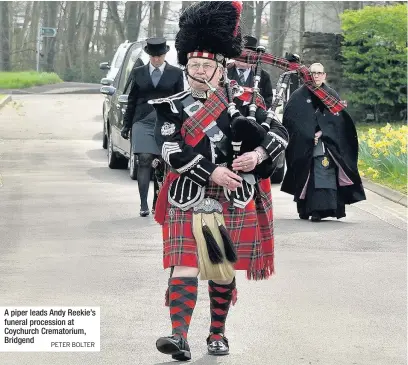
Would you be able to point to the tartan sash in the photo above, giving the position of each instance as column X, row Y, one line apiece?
column 332, row 103
column 192, row 128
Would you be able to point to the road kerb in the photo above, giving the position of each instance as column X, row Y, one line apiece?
column 5, row 100
column 385, row 192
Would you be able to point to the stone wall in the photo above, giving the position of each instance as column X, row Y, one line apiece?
column 326, row 49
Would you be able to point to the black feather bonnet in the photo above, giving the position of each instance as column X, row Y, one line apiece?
column 210, row 29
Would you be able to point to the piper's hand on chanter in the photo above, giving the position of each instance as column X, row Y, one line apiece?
column 223, row 176
column 246, row 162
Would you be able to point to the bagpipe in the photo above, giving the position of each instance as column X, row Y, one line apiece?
column 280, row 90
column 333, row 104
column 246, row 133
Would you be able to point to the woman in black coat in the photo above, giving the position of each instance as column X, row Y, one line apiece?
column 155, row 80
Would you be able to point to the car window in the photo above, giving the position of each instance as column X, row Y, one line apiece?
column 131, row 57
column 120, row 57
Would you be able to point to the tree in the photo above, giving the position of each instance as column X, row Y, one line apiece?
column 278, row 12
column 88, row 30
column 5, row 64
column 375, row 63
column 276, row 37
column 113, row 9
column 133, row 18
column 248, row 17
column 302, row 14
column 259, row 8
column 50, row 11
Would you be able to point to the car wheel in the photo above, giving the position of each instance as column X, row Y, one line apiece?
column 133, row 165
column 104, row 137
column 115, row 161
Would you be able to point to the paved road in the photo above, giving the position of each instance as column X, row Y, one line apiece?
column 70, row 234
column 59, row 88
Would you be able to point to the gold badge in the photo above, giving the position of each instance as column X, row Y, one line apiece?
column 325, row 161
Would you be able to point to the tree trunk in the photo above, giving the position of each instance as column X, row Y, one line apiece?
column 156, row 19
column 277, row 32
column 150, row 24
column 97, row 36
column 301, row 25
column 90, row 11
column 163, row 18
column 32, row 37
column 113, row 9
column 109, row 37
column 21, row 42
column 61, row 38
column 4, row 36
column 248, row 17
column 258, row 18
column 50, row 11
column 70, row 46
column 133, row 16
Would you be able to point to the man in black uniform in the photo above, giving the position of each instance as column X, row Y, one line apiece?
column 214, row 220
column 155, row 80
column 243, row 73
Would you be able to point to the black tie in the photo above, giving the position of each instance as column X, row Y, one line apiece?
column 241, row 76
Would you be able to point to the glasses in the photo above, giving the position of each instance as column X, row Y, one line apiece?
column 196, row 66
column 317, row 73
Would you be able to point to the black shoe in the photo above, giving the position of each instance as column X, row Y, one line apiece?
column 304, row 216
column 176, row 346
column 153, row 210
column 144, row 213
column 316, row 217
column 217, row 346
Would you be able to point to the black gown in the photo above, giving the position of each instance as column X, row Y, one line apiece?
column 323, row 178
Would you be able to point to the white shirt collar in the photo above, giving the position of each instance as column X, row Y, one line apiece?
column 161, row 68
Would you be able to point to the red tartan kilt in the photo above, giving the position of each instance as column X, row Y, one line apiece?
column 251, row 230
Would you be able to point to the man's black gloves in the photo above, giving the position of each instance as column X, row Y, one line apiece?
column 125, row 132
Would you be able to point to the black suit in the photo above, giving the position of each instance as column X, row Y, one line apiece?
column 265, row 85
column 142, row 116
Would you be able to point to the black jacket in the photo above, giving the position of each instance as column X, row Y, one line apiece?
column 142, row 90
column 265, row 85
column 196, row 164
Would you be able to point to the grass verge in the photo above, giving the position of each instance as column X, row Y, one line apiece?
column 22, row 80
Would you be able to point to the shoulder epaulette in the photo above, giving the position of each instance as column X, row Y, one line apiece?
column 170, row 99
